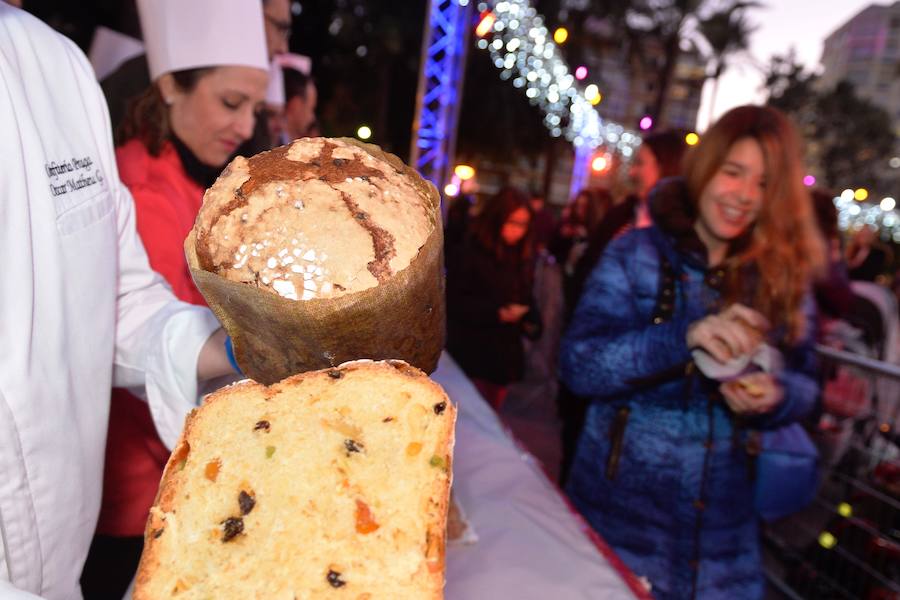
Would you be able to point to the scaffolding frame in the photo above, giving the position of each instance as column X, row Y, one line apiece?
column 445, row 45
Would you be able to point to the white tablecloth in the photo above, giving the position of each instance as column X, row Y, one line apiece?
column 531, row 545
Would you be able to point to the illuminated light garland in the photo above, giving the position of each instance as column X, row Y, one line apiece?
column 522, row 48
column 853, row 214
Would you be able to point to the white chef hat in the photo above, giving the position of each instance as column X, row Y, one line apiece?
column 275, row 91
column 298, row 62
column 188, row 34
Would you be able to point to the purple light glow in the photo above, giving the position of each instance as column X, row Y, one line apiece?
column 580, row 72
column 646, row 123
column 809, row 181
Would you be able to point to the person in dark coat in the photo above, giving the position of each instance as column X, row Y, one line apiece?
column 578, row 226
column 658, row 157
column 834, row 296
column 490, row 302
column 544, row 222
column 661, row 470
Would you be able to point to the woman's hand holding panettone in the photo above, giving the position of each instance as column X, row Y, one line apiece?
column 752, row 394
column 728, row 334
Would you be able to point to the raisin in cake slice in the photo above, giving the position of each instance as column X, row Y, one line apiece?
column 329, row 484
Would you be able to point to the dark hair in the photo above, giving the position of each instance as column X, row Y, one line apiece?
column 487, row 225
column 147, row 116
column 826, row 212
column 668, row 148
column 296, row 84
column 599, row 201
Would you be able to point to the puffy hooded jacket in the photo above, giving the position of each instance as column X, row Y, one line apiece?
column 661, row 470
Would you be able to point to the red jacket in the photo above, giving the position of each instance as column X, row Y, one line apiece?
column 166, row 202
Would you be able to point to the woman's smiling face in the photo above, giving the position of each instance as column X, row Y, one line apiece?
column 219, row 114
column 731, row 201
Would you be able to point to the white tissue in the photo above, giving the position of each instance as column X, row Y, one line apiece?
column 766, row 358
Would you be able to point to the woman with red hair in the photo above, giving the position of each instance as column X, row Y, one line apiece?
column 661, row 469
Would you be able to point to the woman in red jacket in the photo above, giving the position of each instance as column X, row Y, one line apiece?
column 175, row 140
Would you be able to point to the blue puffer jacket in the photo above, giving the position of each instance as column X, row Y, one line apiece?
column 675, row 499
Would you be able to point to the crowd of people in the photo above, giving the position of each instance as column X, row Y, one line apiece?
column 718, row 250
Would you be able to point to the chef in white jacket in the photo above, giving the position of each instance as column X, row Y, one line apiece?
column 80, row 311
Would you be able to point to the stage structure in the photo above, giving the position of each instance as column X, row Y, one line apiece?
column 445, row 43
column 523, row 50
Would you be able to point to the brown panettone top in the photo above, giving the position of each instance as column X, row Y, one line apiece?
column 314, row 219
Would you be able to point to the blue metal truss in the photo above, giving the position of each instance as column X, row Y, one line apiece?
column 581, row 169
column 444, row 47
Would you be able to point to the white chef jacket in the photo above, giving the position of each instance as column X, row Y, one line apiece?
column 80, row 310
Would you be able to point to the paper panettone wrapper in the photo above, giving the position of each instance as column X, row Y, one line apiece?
column 401, row 318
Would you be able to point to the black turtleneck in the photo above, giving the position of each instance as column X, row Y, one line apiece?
column 203, row 174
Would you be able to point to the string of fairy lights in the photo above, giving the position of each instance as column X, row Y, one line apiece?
column 854, row 211
column 523, row 50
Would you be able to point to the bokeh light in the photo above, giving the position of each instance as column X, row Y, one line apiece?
column 888, row 204
column 522, row 48
column 860, row 194
column 464, row 172
column 561, row 35
column 691, row 139
column 809, row 181
column 364, row 132
column 485, row 24
column 646, row 123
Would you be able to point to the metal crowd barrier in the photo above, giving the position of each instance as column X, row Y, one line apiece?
column 846, row 544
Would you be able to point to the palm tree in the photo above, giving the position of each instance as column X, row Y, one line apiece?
column 727, row 33
column 651, row 33
column 669, row 18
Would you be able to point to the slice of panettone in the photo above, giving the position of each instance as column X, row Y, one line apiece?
column 329, row 484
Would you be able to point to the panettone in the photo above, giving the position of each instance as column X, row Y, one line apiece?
column 330, row 484
column 314, row 219
column 321, row 252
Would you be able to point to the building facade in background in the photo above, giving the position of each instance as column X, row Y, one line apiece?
column 629, row 79
column 865, row 51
